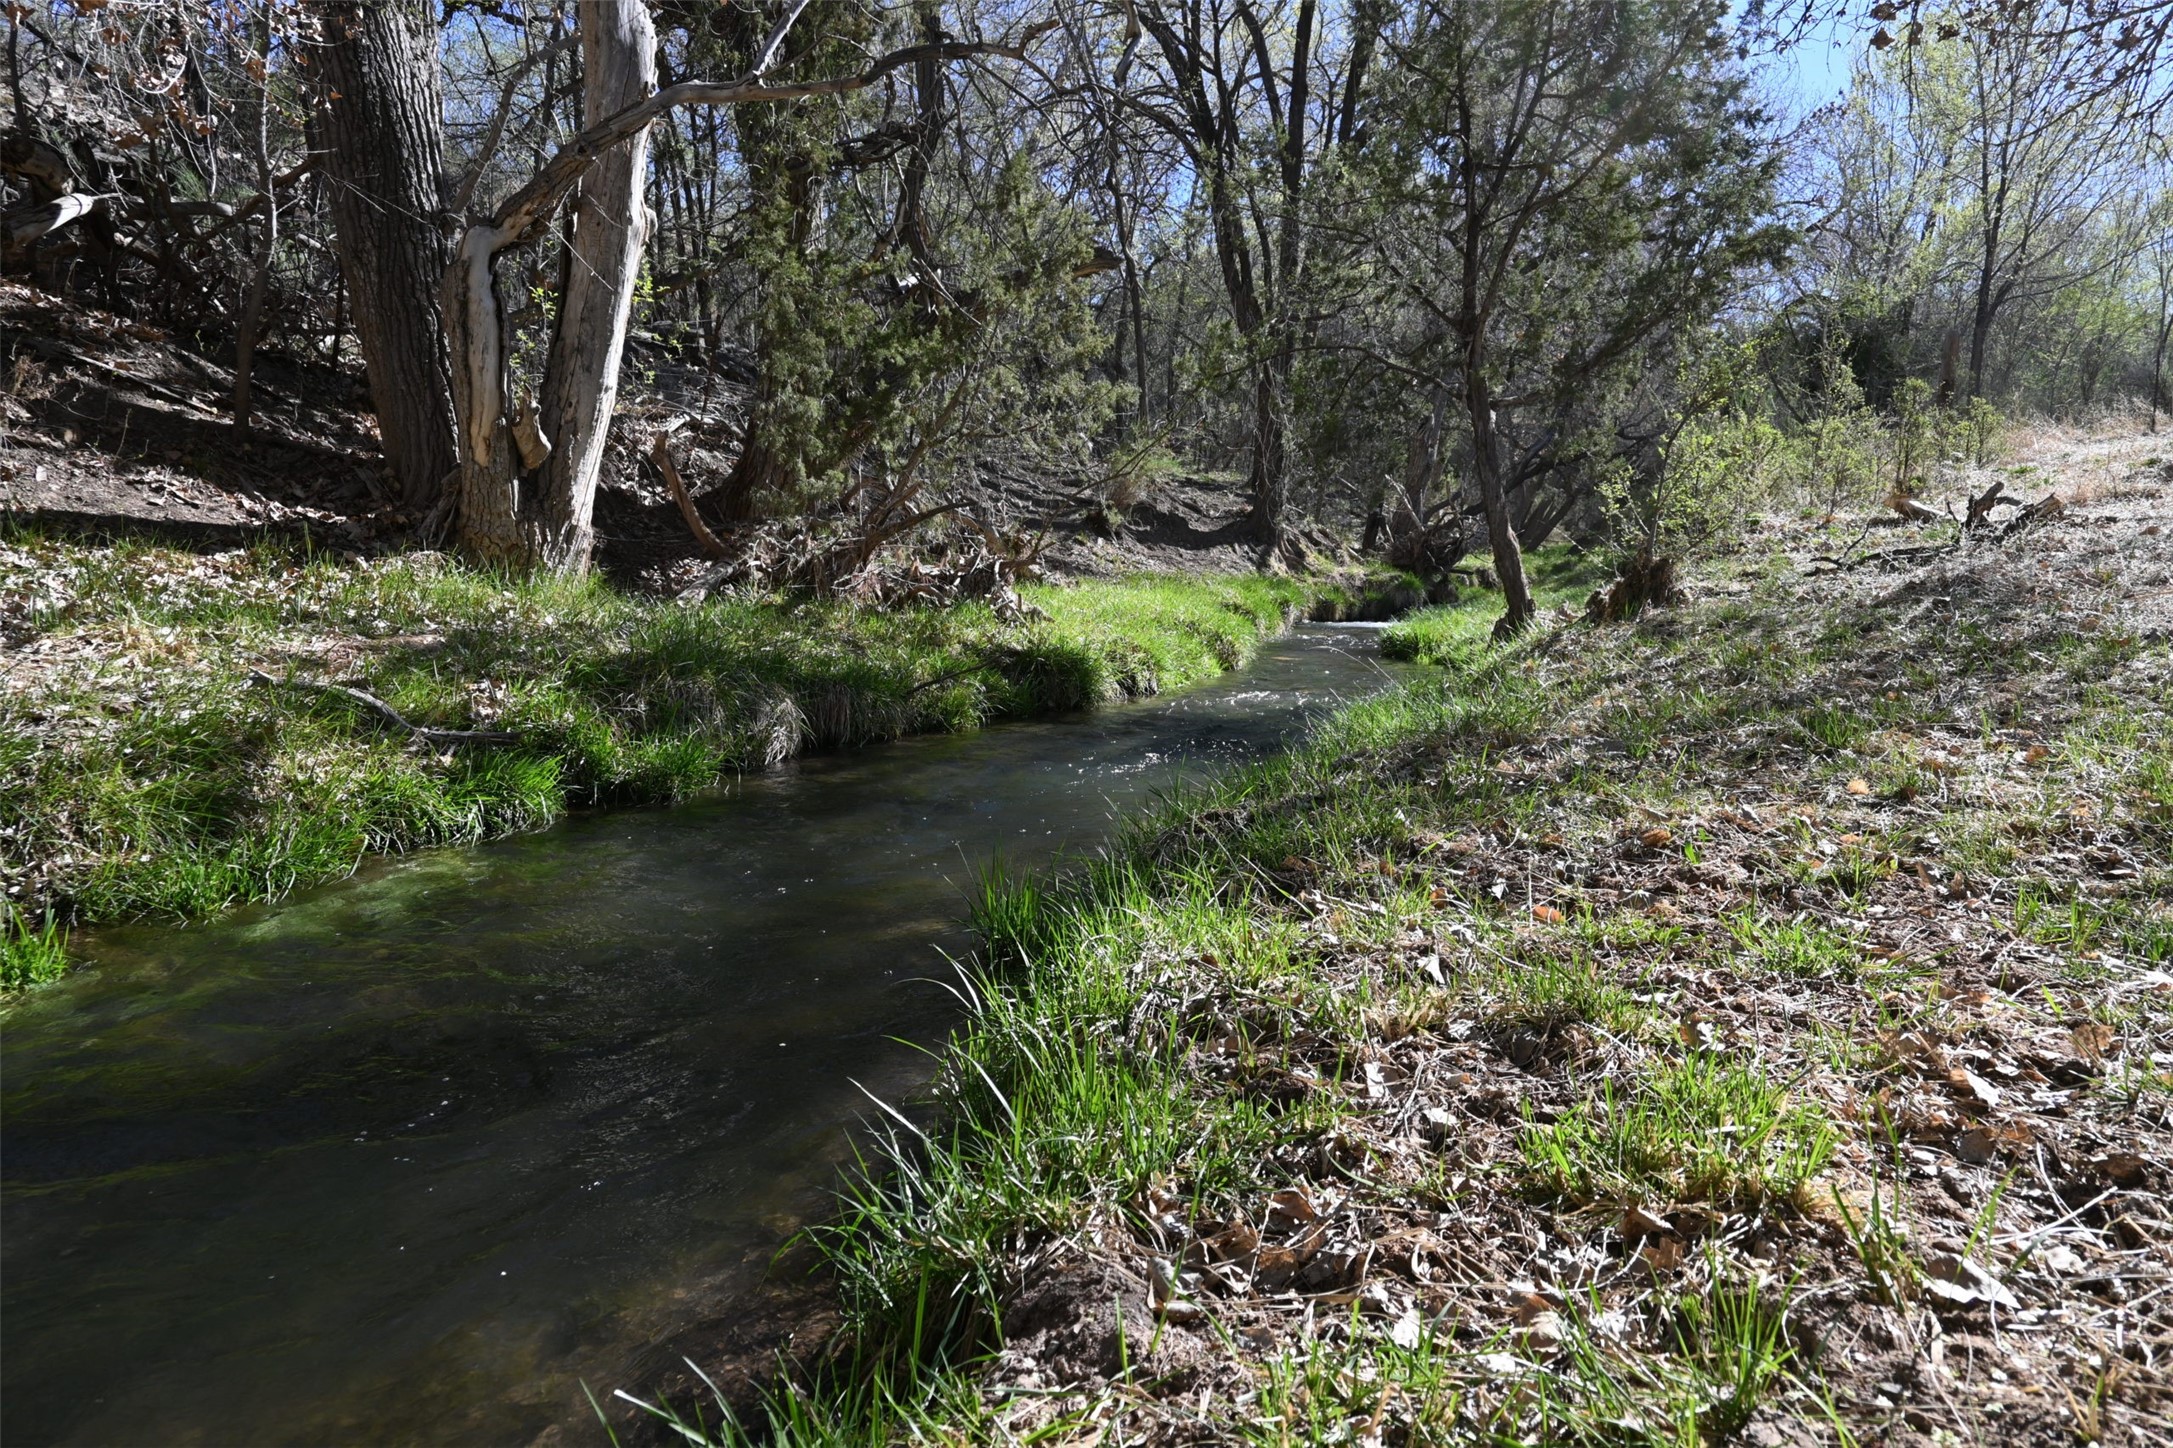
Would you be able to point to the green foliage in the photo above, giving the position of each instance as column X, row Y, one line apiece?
column 1459, row 637
column 29, row 954
column 1707, row 1128
column 1723, row 461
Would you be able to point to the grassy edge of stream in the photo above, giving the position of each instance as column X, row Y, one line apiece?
column 1605, row 942
column 148, row 767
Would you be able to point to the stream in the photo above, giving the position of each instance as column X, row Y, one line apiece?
column 410, row 1157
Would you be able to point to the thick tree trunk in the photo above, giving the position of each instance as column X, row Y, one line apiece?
column 618, row 55
column 381, row 129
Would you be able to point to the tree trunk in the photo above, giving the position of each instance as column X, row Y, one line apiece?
column 381, row 129
column 1501, row 536
column 581, row 385
column 1410, row 515
column 1267, row 480
column 2157, row 372
column 251, row 322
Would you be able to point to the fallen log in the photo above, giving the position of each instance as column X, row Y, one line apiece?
column 435, row 738
column 25, row 226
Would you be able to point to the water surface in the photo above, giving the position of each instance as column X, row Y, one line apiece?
column 408, row 1157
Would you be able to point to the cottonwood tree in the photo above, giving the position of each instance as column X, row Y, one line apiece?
column 1577, row 176
column 380, row 139
column 528, row 472
column 1981, row 208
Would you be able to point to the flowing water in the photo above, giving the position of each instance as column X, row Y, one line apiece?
column 410, row 1157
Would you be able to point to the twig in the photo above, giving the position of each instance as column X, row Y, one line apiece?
column 436, row 738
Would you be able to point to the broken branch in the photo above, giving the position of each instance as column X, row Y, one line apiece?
column 436, row 738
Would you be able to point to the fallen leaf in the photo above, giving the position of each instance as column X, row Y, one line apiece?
column 2122, row 1168
column 1662, row 1254
column 1974, row 1089
column 2093, row 1040
column 1239, row 1240
column 1530, row 1307
column 1548, row 915
column 1290, row 1207
column 1961, row 1281
column 1980, row 1144
column 1546, row 1332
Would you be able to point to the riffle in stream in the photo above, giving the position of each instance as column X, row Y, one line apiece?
column 410, row 1157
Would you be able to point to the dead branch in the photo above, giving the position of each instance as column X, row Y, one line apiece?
column 660, row 453
column 2049, row 506
column 1980, row 507
column 435, row 738
column 1910, row 508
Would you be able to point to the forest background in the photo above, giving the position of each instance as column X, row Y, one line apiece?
column 1468, row 275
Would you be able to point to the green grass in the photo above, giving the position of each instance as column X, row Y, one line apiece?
column 1707, row 1128
column 29, row 954
column 1457, row 633
column 152, row 778
column 1792, row 947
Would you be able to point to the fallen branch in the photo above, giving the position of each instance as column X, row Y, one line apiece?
column 2049, row 506
column 660, row 453
column 436, row 738
column 1890, row 555
column 1910, row 508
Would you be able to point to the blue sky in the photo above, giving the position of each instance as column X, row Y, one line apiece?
column 1815, row 70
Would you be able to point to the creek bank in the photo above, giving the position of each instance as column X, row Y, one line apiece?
column 1695, row 1024
column 411, row 1155
column 142, row 774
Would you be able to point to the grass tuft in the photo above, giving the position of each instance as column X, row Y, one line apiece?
column 1706, row 1129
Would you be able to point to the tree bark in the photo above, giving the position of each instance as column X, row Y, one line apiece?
column 618, row 68
column 246, row 330
column 1501, row 535
column 381, row 128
